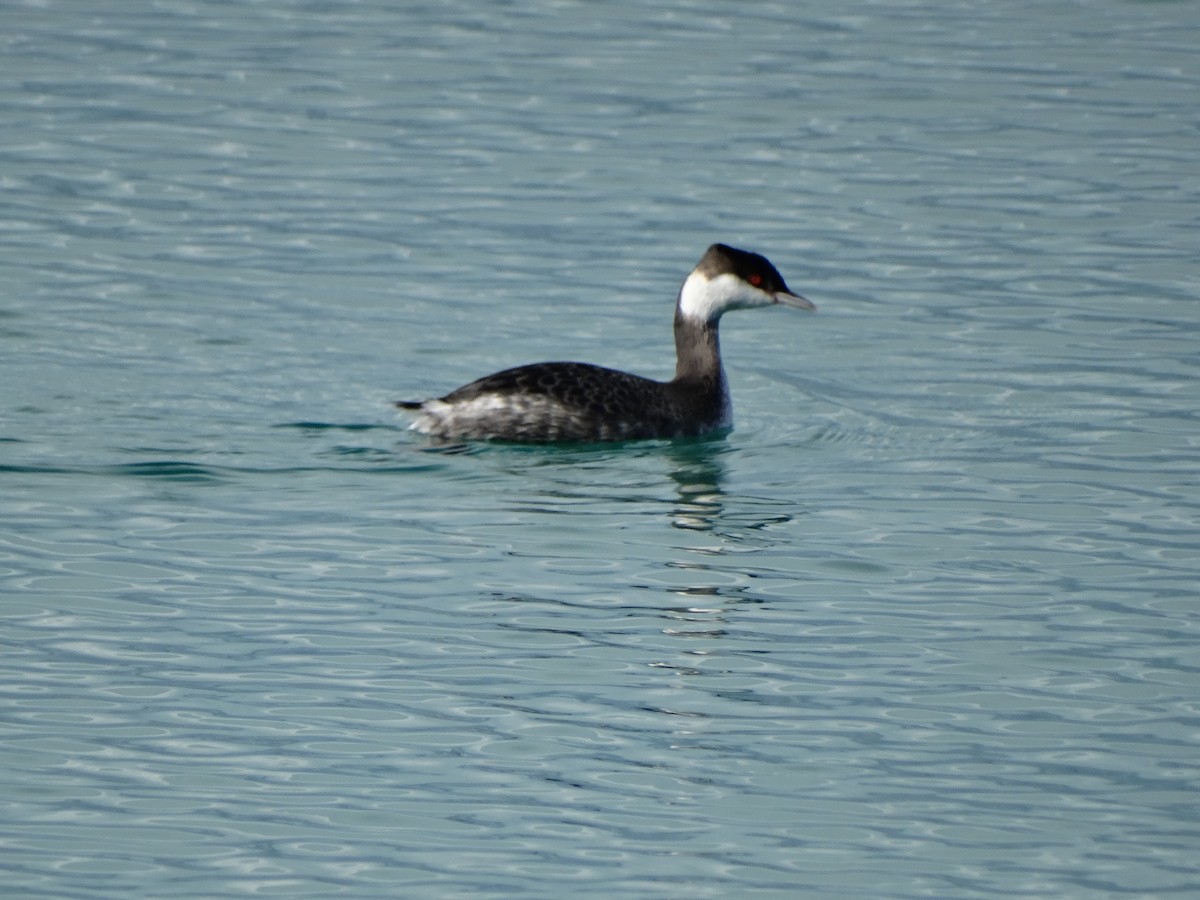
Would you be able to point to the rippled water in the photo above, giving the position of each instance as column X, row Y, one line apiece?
column 924, row 625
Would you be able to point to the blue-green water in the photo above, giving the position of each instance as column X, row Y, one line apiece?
column 925, row 625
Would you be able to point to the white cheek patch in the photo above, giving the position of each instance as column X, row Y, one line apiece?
column 705, row 299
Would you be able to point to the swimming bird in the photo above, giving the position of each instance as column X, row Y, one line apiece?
column 584, row 403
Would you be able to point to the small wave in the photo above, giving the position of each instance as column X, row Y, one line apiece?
column 339, row 426
column 167, row 469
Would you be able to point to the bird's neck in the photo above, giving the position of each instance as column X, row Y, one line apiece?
column 700, row 386
column 699, row 376
column 697, row 351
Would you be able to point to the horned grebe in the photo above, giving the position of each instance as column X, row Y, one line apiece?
column 579, row 402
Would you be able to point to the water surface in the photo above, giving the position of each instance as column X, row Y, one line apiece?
column 923, row 625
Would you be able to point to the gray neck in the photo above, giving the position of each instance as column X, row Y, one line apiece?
column 697, row 351
column 700, row 386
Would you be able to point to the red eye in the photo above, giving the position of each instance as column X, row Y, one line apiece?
column 755, row 279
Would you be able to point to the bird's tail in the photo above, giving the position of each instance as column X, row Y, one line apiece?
column 409, row 404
